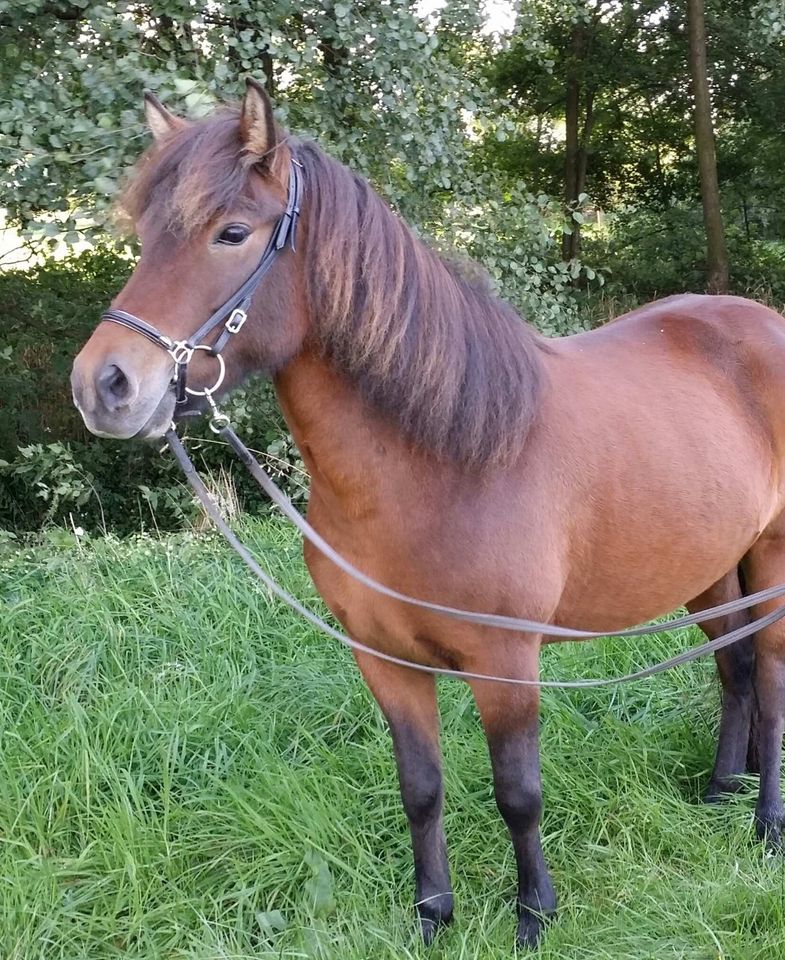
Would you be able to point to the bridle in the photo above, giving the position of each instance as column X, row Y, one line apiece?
column 231, row 315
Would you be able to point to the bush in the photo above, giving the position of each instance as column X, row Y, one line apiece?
column 655, row 253
column 53, row 470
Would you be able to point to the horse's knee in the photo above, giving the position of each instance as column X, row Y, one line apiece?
column 519, row 803
column 736, row 665
column 421, row 792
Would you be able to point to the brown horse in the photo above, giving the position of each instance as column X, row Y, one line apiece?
column 597, row 480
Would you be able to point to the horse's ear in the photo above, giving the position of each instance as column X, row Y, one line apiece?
column 257, row 124
column 162, row 122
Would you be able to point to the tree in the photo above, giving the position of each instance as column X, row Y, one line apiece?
column 602, row 114
column 582, row 64
column 717, row 259
column 396, row 96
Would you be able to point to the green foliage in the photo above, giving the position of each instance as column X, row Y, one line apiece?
column 189, row 771
column 655, row 253
column 380, row 88
column 636, row 110
column 398, row 98
column 512, row 237
column 51, row 469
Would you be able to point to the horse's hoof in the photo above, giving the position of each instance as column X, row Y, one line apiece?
column 434, row 914
column 530, row 928
column 768, row 828
column 720, row 790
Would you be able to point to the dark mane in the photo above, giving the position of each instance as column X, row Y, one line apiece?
column 455, row 366
column 427, row 345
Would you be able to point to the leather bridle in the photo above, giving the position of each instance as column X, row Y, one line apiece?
column 231, row 315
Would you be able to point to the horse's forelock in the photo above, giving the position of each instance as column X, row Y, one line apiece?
column 200, row 172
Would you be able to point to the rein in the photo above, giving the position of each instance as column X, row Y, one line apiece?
column 231, row 315
column 509, row 623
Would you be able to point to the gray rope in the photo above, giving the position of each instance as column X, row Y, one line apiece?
column 214, row 514
column 518, row 624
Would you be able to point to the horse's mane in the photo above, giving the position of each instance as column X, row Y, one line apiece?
column 425, row 343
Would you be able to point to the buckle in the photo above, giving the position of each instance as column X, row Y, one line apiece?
column 236, row 320
column 181, row 352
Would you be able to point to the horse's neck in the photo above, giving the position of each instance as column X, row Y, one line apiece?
column 349, row 450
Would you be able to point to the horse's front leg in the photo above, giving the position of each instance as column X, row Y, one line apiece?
column 408, row 701
column 510, row 716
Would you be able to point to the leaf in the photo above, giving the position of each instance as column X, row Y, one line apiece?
column 271, row 922
column 105, row 184
column 319, row 888
column 183, row 86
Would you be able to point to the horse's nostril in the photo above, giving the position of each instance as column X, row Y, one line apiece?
column 114, row 387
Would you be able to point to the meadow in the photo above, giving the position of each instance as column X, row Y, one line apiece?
column 189, row 771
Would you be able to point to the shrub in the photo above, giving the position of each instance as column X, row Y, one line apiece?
column 51, row 467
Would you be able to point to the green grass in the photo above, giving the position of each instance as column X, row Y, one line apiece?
column 188, row 771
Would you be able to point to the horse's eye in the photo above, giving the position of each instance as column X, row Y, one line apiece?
column 235, row 233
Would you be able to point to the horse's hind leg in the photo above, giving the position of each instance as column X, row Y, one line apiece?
column 510, row 716
column 408, row 701
column 734, row 665
column 764, row 567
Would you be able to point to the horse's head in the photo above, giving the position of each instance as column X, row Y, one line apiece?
column 206, row 201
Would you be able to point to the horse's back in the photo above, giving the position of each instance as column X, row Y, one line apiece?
column 709, row 327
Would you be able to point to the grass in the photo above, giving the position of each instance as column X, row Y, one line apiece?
column 188, row 771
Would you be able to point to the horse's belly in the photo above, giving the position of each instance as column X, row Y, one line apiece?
column 662, row 540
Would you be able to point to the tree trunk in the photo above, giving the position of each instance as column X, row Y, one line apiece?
column 571, row 241
column 717, row 254
column 583, row 148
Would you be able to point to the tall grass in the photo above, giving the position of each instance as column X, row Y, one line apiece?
column 188, row 771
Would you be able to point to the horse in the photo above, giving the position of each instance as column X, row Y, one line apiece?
column 600, row 479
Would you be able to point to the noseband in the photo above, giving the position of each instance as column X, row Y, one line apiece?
column 231, row 315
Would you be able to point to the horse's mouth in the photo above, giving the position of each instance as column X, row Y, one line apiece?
column 125, row 427
column 165, row 414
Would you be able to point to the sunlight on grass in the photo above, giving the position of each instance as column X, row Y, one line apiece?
column 189, row 771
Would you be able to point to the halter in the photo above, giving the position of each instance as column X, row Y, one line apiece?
column 232, row 314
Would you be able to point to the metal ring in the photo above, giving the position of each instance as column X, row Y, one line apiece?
column 221, row 374
column 218, row 421
column 180, row 352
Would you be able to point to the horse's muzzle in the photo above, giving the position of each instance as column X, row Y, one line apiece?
column 116, row 400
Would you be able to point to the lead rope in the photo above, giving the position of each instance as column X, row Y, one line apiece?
column 220, row 424
column 211, row 509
